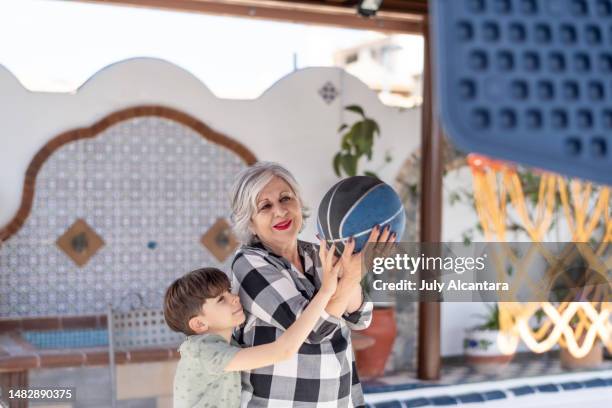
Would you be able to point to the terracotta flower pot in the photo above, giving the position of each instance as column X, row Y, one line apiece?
column 371, row 361
column 594, row 358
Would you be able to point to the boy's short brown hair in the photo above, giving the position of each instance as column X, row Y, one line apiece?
column 185, row 296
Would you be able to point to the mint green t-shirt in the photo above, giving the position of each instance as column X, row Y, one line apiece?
column 200, row 380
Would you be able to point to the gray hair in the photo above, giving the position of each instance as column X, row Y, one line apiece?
column 248, row 184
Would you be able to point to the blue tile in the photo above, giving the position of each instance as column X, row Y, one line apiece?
column 379, row 387
column 595, row 382
column 416, row 402
column 547, row 388
column 373, row 383
column 494, row 395
column 572, row 385
column 443, row 400
column 389, row 404
column 472, row 397
column 524, row 390
column 376, row 387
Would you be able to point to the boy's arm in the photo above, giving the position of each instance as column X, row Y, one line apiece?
column 287, row 344
column 270, row 295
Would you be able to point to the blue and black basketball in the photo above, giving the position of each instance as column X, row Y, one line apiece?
column 354, row 206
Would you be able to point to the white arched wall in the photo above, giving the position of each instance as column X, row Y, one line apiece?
column 290, row 123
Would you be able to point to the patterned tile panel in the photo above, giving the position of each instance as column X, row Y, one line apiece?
column 143, row 180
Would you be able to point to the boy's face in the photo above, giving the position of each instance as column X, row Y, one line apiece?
column 220, row 313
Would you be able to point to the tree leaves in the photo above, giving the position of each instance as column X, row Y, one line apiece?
column 356, row 142
column 346, row 162
column 357, row 109
column 349, row 164
column 454, row 197
column 360, row 138
column 336, row 163
column 346, row 142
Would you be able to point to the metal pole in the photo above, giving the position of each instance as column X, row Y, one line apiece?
column 111, row 355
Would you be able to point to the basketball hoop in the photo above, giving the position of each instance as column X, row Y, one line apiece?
column 498, row 191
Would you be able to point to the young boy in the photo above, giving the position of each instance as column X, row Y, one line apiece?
column 200, row 305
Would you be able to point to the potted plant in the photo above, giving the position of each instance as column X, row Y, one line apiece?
column 375, row 343
column 480, row 344
column 371, row 361
column 592, row 359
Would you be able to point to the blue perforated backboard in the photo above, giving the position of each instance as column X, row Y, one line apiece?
column 528, row 81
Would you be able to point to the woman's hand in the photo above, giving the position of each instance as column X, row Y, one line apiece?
column 331, row 268
column 351, row 263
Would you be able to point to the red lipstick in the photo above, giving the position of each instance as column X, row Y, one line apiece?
column 283, row 225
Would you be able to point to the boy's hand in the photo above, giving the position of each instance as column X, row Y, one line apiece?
column 331, row 268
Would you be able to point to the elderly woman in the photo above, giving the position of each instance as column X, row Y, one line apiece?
column 276, row 275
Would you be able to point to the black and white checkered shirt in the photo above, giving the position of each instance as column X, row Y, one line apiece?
column 273, row 294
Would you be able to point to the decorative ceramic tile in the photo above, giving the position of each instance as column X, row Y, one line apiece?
column 220, row 240
column 80, row 242
column 328, row 92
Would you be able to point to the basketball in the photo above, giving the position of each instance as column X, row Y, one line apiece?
column 355, row 205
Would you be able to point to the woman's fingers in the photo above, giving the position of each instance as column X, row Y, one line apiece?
column 352, row 244
column 322, row 250
column 374, row 234
column 388, row 246
column 349, row 248
column 384, row 236
column 336, row 269
column 329, row 260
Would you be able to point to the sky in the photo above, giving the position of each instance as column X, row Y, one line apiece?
column 55, row 46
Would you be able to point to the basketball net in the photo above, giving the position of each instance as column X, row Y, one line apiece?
column 573, row 325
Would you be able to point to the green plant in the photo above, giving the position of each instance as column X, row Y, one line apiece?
column 490, row 319
column 357, row 142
